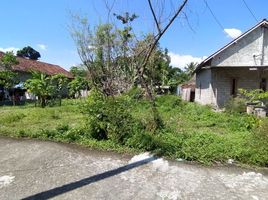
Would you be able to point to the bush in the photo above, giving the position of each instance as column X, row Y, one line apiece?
column 205, row 147
column 262, row 131
column 110, row 118
column 143, row 140
column 166, row 144
column 168, row 102
column 237, row 105
column 135, row 93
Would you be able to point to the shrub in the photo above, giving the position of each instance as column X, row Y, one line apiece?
column 168, row 102
column 255, row 149
column 62, row 128
column 135, row 93
column 166, row 144
column 262, row 131
column 205, row 147
column 144, row 141
column 237, row 105
column 110, row 118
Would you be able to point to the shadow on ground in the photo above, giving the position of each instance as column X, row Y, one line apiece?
column 87, row 181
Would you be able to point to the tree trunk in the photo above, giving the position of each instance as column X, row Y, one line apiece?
column 43, row 102
column 13, row 99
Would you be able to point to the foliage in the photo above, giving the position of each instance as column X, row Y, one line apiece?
column 8, row 79
column 192, row 132
column 189, row 69
column 78, row 71
column 105, row 52
column 59, row 81
column 80, row 82
column 40, row 85
column 29, row 52
column 7, row 60
column 237, row 104
column 135, row 93
column 109, row 118
column 76, row 85
column 46, row 87
column 257, row 95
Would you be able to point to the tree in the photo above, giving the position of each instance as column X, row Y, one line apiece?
column 111, row 55
column 80, row 81
column 78, row 71
column 189, row 69
column 40, row 85
column 76, row 85
column 105, row 52
column 147, row 51
column 8, row 60
column 59, row 82
column 29, row 52
column 7, row 77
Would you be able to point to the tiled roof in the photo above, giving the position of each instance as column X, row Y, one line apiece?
column 27, row 65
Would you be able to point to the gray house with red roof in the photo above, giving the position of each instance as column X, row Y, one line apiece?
column 26, row 66
column 243, row 63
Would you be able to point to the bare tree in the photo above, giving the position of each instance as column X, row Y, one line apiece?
column 111, row 55
column 162, row 27
column 106, row 52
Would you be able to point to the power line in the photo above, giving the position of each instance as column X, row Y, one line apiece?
column 213, row 15
column 252, row 14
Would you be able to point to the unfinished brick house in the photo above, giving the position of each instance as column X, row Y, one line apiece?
column 243, row 63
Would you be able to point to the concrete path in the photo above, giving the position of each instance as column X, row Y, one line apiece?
column 45, row 170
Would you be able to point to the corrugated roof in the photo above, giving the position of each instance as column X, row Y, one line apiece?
column 27, row 65
column 190, row 84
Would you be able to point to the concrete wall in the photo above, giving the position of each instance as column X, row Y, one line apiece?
column 203, row 90
column 214, row 83
column 242, row 52
column 186, row 94
column 214, row 86
column 246, row 79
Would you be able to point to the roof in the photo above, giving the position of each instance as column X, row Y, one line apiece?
column 264, row 22
column 190, row 83
column 27, row 65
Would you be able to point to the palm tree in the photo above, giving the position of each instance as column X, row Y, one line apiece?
column 190, row 67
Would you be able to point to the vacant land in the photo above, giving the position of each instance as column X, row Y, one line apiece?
column 191, row 131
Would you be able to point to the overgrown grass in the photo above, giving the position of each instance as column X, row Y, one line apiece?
column 192, row 132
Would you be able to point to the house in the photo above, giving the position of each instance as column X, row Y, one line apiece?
column 24, row 69
column 187, row 90
column 243, row 63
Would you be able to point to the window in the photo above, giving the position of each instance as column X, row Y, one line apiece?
column 234, row 87
column 263, row 84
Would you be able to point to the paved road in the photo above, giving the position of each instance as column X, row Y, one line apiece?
column 43, row 170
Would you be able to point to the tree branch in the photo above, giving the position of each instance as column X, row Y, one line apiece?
column 154, row 16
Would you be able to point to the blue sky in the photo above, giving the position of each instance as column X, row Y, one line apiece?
column 44, row 26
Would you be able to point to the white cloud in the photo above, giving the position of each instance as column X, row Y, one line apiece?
column 42, row 47
column 232, row 32
column 181, row 61
column 14, row 49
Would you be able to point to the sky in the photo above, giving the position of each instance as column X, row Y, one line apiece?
column 43, row 25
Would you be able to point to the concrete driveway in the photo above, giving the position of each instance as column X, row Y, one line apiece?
column 32, row 169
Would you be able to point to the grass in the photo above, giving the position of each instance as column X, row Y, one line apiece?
column 32, row 119
column 63, row 124
column 192, row 132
